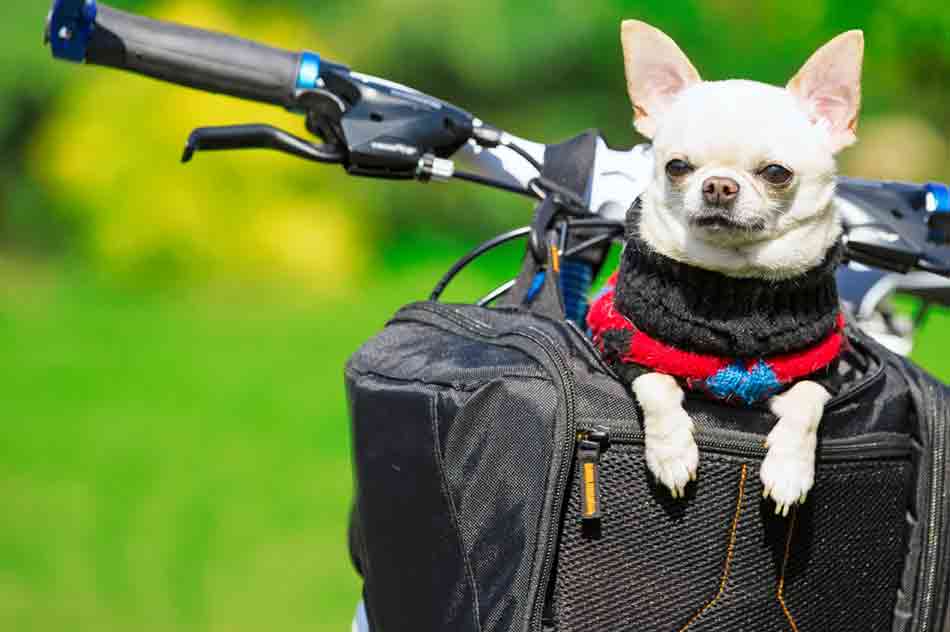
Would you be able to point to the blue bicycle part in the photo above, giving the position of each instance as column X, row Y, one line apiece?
column 69, row 28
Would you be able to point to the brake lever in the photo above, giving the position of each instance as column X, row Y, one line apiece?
column 258, row 137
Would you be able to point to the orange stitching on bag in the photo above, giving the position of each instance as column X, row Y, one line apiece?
column 729, row 552
column 781, row 581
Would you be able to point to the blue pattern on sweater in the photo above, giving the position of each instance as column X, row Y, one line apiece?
column 751, row 385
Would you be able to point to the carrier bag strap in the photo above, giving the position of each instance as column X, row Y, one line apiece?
column 571, row 164
column 540, row 284
column 538, row 288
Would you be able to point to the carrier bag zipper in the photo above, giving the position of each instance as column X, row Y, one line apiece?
column 862, row 447
column 590, row 445
column 592, row 442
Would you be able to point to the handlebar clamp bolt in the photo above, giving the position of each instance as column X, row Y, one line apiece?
column 433, row 168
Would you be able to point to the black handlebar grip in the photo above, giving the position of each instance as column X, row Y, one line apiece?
column 193, row 57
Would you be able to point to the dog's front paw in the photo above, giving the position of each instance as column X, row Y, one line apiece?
column 788, row 471
column 671, row 452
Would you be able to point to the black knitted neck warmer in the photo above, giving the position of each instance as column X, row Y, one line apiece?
column 710, row 313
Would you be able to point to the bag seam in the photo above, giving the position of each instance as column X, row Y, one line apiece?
column 453, row 512
column 458, row 386
column 780, row 589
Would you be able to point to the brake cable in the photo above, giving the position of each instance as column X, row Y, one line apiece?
column 612, row 230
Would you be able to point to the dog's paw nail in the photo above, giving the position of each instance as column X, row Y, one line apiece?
column 785, row 509
column 767, row 491
column 803, row 498
column 671, row 453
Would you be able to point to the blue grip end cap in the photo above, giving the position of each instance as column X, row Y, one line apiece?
column 938, row 197
column 308, row 72
column 938, row 205
column 69, row 28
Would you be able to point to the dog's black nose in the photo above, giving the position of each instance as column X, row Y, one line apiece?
column 720, row 191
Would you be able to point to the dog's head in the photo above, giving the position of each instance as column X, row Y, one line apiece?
column 744, row 176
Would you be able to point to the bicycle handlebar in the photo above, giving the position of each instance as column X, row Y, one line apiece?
column 372, row 126
column 81, row 30
column 378, row 128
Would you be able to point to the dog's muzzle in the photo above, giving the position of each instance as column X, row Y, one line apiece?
column 717, row 220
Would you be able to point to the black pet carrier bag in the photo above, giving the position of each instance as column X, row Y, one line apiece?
column 472, row 431
column 501, row 486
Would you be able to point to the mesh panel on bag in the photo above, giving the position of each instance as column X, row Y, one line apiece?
column 634, row 576
column 849, row 542
column 658, row 564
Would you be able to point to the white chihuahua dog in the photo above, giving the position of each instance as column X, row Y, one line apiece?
column 740, row 208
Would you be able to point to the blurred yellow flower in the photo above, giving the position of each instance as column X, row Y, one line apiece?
column 111, row 150
column 898, row 147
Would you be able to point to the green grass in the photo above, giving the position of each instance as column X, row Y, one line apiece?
column 172, row 460
column 932, row 344
column 172, row 464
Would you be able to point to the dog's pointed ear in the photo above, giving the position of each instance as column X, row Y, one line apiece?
column 657, row 71
column 829, row 87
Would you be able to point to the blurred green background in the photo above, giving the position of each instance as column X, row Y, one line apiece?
column 174, row 448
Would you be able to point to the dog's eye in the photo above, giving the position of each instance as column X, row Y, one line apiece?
column 776, row 174
column 677, row 168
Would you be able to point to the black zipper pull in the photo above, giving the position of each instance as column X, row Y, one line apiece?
column 590, row 445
